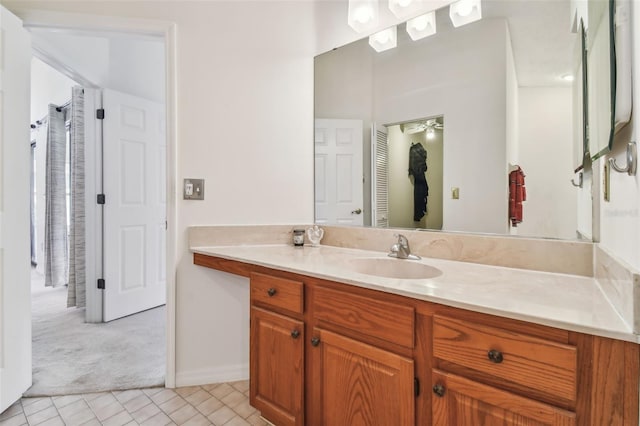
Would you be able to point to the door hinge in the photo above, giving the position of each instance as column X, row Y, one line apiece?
column 101, row 199
column 100, row 113
column 101, row 283
column 416, row 386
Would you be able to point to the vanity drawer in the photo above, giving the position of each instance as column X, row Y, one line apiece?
column 381, row 319
column 277, row 292
column 526, row 361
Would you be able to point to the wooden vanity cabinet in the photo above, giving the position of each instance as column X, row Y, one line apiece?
column 361, row 368
column 277, row 349
column 462, row 402
column 360, row 384
column 500, row 376
column 325, row 353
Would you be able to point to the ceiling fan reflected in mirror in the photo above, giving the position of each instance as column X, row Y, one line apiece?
column 430, row 126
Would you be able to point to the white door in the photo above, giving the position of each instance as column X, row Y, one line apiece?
column 15, row 286
column 338, row 171
column 134, row 164
column 380, row 176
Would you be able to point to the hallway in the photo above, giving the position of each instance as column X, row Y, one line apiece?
column 71, row 356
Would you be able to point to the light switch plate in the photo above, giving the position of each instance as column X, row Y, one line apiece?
column 193, row 189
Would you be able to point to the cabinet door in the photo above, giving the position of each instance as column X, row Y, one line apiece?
column 457, row 401
column 277, row 367
column 359, row 384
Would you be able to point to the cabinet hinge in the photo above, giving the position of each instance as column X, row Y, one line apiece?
column 100, row 198
column 100, row 114
column 416, row 386
column 101, row 283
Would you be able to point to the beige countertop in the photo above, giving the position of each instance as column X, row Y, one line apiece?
column 570, row 302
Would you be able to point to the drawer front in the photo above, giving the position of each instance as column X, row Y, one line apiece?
column 531, row 362
column 277, row 292
column 384, row 320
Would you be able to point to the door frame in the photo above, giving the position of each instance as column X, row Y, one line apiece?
column 167, row 30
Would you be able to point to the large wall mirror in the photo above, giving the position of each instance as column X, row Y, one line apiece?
column 608, row 56
column 483, row 101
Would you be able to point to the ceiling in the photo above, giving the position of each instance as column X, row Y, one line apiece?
column 541, row 38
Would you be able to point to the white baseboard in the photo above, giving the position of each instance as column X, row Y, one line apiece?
column 229, row 373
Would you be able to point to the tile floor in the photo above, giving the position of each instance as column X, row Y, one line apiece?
column 220, row 404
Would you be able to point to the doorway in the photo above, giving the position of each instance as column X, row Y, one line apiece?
column 405, row 205
column 72, row 351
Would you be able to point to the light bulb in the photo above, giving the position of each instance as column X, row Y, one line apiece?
column 567, row 77
column 431, row 133
column 464, row 7
column 382, row 37
column 420, row 23
column 404, row 3
column 363, row 15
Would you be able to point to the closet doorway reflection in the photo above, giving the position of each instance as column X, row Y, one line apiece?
column 408, row 144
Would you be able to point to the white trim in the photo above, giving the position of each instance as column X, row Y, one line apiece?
column 93, row 216
column 172, row 205
column 167, row 30
column 229, row 373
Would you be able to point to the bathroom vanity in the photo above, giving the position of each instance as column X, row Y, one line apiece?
column 476, row 345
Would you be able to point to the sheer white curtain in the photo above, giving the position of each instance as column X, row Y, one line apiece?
column 64, row 239
column 55, row 227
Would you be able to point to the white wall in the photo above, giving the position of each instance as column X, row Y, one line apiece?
column 235, row 70
column 47, row 86
column 545, row 155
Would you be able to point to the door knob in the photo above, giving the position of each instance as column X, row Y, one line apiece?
column 356, row 211
column 295, row 334
column 315, row 341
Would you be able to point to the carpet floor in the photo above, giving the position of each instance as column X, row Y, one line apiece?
column 71, row 356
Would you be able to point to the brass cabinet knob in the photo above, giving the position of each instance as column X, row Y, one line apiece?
column 495, row 356
column 438, row 389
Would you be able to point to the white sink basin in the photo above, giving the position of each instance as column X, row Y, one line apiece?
column 394, row 268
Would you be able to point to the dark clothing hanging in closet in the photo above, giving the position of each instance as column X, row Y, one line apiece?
column 417, row 169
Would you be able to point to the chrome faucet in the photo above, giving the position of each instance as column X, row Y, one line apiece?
column 401, row 249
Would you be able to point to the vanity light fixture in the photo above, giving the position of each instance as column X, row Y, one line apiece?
column 363, row 14
column 384, row 40
column 464, row 12
column 422, row 26
column 405, row 8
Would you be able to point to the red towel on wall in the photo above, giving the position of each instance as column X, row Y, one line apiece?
column 517, row 194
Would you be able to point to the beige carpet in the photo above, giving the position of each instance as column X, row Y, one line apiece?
column 70, row 356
